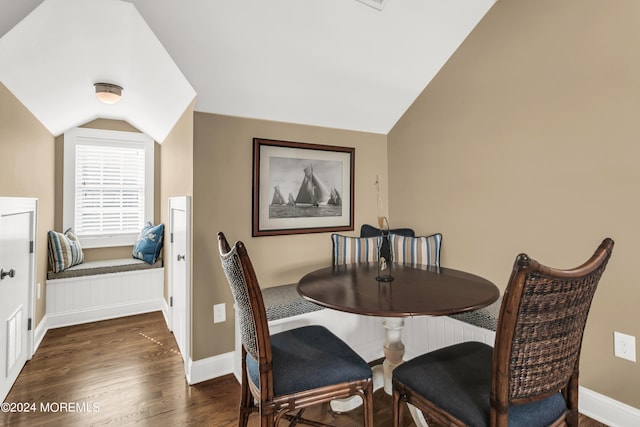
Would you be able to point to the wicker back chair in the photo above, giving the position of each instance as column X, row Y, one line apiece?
column 530, row 378
column 293, row 369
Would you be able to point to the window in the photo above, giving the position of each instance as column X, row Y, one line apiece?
column 108, row 185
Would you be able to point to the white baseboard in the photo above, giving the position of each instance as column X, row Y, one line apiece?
column 40, row 332
column 210, row 368
column 59, row 320
column 606, row 410
column 165, row 313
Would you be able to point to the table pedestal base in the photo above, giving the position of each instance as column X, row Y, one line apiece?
column 350, row 403
column 382, row 374
column 393, row 348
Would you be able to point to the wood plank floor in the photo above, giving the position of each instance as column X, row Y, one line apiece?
column 128, row 371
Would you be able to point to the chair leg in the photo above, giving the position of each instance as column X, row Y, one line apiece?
column 245, row 404
column 267, row 420
column 396, row 408
column 570, row 394
column 367, row 405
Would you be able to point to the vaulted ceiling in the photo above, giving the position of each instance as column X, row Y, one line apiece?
column 331, row 63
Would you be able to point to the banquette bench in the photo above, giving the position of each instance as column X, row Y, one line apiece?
column 99, row 290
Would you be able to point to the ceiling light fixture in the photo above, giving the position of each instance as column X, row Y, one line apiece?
column 108, row 92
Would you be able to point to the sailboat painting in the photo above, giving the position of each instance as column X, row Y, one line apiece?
column 301, row 188
column 313, row 187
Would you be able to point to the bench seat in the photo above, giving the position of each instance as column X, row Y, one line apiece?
column 486, row 317
column 99, row 290
column 92, row 268
column 284, row 301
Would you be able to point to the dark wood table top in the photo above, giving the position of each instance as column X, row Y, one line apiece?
column 432, row 291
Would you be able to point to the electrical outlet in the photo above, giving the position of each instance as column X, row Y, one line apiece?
column 624, row 346
column 219, row 313
column 38, row 297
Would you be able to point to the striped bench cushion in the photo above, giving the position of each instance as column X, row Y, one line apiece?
column 350, row 250
column 423, row 250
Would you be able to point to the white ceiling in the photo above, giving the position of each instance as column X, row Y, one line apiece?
column 331, row 63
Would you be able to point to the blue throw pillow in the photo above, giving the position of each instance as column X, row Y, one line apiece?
column 149, row 243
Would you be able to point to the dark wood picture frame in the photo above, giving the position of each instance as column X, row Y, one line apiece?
column 301, row 188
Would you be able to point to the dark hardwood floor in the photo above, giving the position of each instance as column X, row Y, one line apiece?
column 128, row 371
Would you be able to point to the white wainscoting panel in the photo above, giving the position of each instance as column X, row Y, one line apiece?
column 427, row 333
column 105, row 296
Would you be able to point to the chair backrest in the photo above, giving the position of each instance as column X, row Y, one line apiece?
column 353, row 250
column 540, row 328
column 252, row 317
column 423, row 250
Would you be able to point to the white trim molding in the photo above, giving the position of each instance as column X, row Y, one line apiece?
column 209, row 368
column 607, row 410
column 40, row 332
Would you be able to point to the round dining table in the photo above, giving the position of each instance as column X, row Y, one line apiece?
column 415, row 290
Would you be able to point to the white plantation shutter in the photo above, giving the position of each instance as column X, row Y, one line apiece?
column 110, row 192
column 109, row 189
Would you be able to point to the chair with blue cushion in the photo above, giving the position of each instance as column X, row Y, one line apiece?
column 530, row 378
column 290, row 370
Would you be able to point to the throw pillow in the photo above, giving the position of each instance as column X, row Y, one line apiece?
column 149, row 243
column 370, row 231
column 349, row 250
column 64, row 250
column 423, row 250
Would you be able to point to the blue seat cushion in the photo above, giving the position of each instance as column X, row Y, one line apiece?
column 310, row 357
column 458, row 379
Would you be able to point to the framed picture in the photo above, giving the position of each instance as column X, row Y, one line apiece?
column 301, row 188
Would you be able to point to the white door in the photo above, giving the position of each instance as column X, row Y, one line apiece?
column 179, row 274
column 16, row 276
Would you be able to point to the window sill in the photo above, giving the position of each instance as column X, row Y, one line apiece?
column 89, row 242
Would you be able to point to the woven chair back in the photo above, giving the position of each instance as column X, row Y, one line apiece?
column 541, row 325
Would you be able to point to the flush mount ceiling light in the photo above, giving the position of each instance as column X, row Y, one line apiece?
column 108, row 92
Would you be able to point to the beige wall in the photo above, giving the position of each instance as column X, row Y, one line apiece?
column 222, row 202
column 27, row 170
column 527, row 141
column 177, row 172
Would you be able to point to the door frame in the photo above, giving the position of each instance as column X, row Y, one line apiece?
column 182, row 203
column 21, row 205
